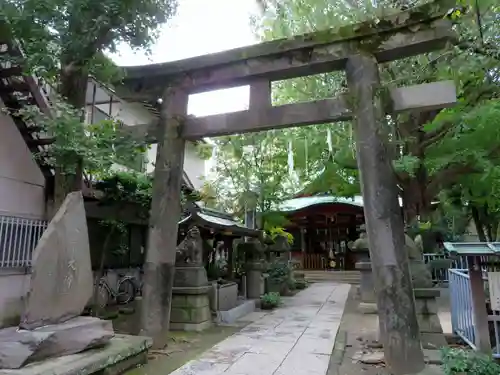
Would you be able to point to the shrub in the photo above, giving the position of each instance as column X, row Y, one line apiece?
column 300, row 284
column 292, row 283
column 279, row 272
column 460, row 361
column 269, row 301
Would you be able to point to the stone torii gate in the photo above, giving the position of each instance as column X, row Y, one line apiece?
column 357, row 49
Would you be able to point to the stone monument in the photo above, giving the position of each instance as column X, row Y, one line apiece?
column 425, row 297
column 254, row 265
column 190, row 294
column 61, row 285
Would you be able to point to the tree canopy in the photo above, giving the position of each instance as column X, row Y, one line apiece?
column 433, row 152
column 64, row 43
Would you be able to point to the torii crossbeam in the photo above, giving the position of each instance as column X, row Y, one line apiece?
column 357, row 49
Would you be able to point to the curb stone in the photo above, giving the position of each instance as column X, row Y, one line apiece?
column 338, row 352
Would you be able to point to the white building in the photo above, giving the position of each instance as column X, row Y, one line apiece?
column 25, row 180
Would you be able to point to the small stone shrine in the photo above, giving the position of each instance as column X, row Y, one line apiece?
column 425, row 297
column 190, row 294
column 61, row 284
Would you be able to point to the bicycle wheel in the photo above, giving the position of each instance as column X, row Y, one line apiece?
column 126, row 291
column 103, row 295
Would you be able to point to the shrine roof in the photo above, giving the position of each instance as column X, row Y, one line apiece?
column 296, row 204
column 473, row 248
column 219, row 221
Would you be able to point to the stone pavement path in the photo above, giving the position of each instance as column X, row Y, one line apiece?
column 297, row 338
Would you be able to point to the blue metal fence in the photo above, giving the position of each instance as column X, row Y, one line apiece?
column 462, row 314
column 441, row 275
column 462, row 317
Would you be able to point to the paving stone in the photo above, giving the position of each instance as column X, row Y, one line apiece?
column 201, row 367
column 299, row 363
column 256, row 364
column 296, row 338
column 315, row 345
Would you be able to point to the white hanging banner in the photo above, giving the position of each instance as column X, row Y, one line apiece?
column 306, row 145
column 290, row 158
column 494, row 287
column 329, row 141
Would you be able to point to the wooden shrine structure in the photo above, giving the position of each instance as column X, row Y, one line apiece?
column 357, row 49
column 323, row 225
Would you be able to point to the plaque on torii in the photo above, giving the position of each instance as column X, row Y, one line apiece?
column 409, row 33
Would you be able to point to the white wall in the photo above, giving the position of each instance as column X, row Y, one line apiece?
column 136, row 114
column 194, row 166
column 13, row 288
column 21, row 181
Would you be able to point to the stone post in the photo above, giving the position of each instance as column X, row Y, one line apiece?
column 253, row 268
column 159, row 266
column 431, row 330
column 366, row 288
column 396, row 306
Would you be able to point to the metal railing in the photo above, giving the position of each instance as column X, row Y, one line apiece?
column 441, row 275
column 18, row 239
column 462, row 313
column 462, row 317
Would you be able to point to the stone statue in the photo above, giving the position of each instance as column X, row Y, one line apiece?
column 360, row 247
column 362, row 242
column 420, row 273
column 190, row 250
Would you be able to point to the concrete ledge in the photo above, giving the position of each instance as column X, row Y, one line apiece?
column 367, row 308
column 120, row 352
column 426, row 292
column 189, row 327
column 230, row 316
column 363, row 266
column 191, row 289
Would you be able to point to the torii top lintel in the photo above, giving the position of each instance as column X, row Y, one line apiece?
column 412, row 32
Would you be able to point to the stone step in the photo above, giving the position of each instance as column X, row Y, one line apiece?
column 345, row 277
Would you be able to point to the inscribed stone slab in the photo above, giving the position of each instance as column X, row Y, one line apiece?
column 61, row 282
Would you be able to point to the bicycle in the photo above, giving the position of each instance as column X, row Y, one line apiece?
column 125, row 292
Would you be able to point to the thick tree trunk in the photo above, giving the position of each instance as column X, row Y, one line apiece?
column 478, row 223
column 396, row 305
column 100, row 271
column 72, row 88
column 416, row 204
column 416, row 200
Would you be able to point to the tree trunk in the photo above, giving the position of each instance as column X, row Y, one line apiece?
column 100, row 271
column 399, row 329
column 72, row 88
column 478, row 223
